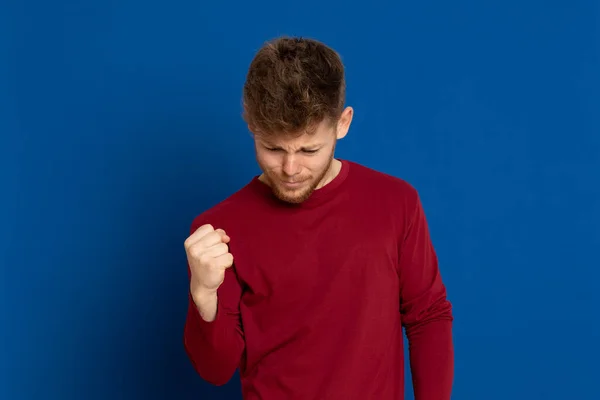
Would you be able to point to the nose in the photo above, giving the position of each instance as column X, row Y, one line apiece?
column 290, row 166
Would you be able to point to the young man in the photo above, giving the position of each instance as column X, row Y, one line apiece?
column 305, row 277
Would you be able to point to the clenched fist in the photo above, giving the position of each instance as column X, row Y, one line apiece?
column 208, row 257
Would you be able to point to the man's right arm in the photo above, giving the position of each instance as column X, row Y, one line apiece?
column 213, row 336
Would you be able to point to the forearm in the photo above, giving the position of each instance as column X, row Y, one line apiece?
column 206, row 303
column 431, row 354
column 213, row 341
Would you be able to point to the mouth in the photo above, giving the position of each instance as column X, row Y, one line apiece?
column 292, row 185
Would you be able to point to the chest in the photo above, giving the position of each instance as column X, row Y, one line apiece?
column 295, row 266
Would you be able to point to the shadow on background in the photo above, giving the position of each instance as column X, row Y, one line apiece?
column 174, row 185
column 104, row 314
column 178, row 173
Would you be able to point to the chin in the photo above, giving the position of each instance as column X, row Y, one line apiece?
column 293, row 196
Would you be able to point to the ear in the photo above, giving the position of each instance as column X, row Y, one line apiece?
column 344, row 122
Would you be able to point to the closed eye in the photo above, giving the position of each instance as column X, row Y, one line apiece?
column 306, row 151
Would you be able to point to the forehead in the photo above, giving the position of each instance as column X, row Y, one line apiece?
column 322, row 134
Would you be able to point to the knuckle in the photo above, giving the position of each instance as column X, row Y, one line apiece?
column 194, row 251
column 204, row 259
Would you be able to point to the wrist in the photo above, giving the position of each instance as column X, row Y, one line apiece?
column 206, row 303
column 202, row 296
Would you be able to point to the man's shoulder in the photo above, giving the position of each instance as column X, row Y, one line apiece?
column 385, row 193
column 382, row 182
column 228, row 209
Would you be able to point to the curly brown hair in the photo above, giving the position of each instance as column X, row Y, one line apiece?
column 292, row 85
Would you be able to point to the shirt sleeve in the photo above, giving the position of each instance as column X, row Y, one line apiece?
column 215, row 348
column 426, row 311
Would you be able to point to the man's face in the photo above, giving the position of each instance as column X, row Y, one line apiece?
column 296, row 166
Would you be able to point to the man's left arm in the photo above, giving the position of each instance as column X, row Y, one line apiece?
column 426, row 312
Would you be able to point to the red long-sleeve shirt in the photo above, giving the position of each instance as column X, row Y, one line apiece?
column 314, row 305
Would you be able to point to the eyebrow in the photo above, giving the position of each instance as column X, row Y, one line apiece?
column 309, row 147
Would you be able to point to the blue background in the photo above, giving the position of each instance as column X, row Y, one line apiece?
column 120, row 121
